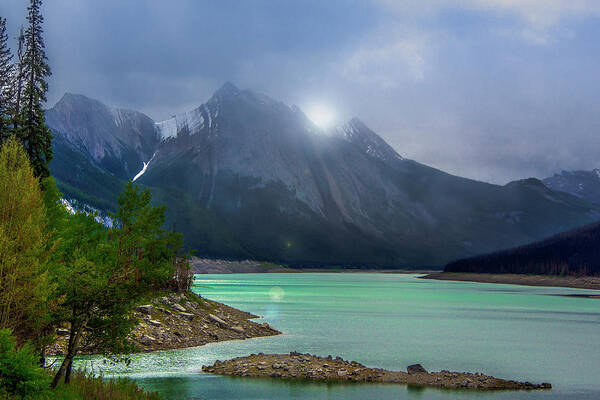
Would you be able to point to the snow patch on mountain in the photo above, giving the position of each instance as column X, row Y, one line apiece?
column 144, row 168
column 356, row 132
column 190, row 122
column 73, row 206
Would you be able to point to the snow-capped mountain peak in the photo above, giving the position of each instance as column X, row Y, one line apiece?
column 356, row 132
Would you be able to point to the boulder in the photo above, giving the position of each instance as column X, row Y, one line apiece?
column 187, row 315
column 154, row 323
column 237, row 328
column 147, row 340
column 179, row 307
column 146, row 309
column 416, row 369
column 217, row 319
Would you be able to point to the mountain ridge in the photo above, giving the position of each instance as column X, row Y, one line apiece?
column 284, row 190
column 583, row 184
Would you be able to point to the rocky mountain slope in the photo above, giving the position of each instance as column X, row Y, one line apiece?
column 583, row 184
column 246, row 176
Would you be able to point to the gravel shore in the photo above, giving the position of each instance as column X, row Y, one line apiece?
column 583, row 282
column 306, row 366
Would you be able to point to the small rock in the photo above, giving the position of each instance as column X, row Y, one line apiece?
column 179, row 307
column 416, row 369
column 62, row 331
column 146, row 309
column 237, row 329
column 147, row 340
column 165, row 301
column 342, row 372
column 154, row 323
column 191, row 305
column 187, row 315
column 217, row 319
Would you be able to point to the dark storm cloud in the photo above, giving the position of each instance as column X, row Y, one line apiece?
column 494, row 90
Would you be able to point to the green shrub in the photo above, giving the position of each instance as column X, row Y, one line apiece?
column 20, row 374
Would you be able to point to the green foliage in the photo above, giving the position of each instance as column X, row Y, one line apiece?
column 87, row 387
column 102, row 272
column 20, row 374
column 22, row 378
column 24, row 245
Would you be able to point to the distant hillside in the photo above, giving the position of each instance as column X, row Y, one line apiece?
column 575, row 252
column 583, row 184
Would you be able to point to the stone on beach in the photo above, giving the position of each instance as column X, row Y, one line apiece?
column 416, row 369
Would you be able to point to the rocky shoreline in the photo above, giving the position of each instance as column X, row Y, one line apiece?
column 306, row 366
column 178, row 321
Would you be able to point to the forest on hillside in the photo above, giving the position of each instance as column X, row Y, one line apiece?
column 574, row 253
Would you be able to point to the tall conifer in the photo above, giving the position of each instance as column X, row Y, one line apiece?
column 32, row 131
column 6, row 69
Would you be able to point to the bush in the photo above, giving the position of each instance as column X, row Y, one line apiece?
column 20, row 374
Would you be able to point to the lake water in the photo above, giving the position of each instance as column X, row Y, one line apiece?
column 390, row 321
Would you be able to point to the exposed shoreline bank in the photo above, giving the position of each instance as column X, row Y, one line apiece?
column 586, row 282
column 328, row 369
column 180, row 321
column 216, row 266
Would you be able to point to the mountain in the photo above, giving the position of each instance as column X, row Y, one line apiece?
column 584, row 184
column 576, row 252
column 116, row 140
column 258, row 175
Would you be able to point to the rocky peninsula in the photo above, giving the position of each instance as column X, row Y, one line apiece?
column 182, row 320
column 306, row 366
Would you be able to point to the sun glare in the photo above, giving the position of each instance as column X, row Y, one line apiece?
column 322, row 115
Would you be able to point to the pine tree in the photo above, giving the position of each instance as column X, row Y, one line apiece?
column 18, row 79
column 33, row 132
column 6, row 69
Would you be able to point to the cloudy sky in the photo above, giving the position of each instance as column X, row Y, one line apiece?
column 490, row 89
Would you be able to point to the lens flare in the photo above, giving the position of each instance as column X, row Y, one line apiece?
column 322, row 115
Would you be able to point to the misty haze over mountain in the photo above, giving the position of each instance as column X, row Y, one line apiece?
column 244, row 175
column 493, row 90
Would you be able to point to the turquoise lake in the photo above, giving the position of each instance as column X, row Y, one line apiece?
column 389, row 321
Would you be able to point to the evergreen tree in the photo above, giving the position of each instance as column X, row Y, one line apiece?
column 32, row 129
column 6, row 69
column 18, row 80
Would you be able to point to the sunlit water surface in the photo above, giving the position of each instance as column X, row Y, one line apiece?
column 389, row 321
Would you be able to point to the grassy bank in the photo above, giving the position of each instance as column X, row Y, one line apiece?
column 87, row 387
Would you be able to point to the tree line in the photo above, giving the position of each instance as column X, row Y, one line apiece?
column 572, row 253
column 61, row 269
